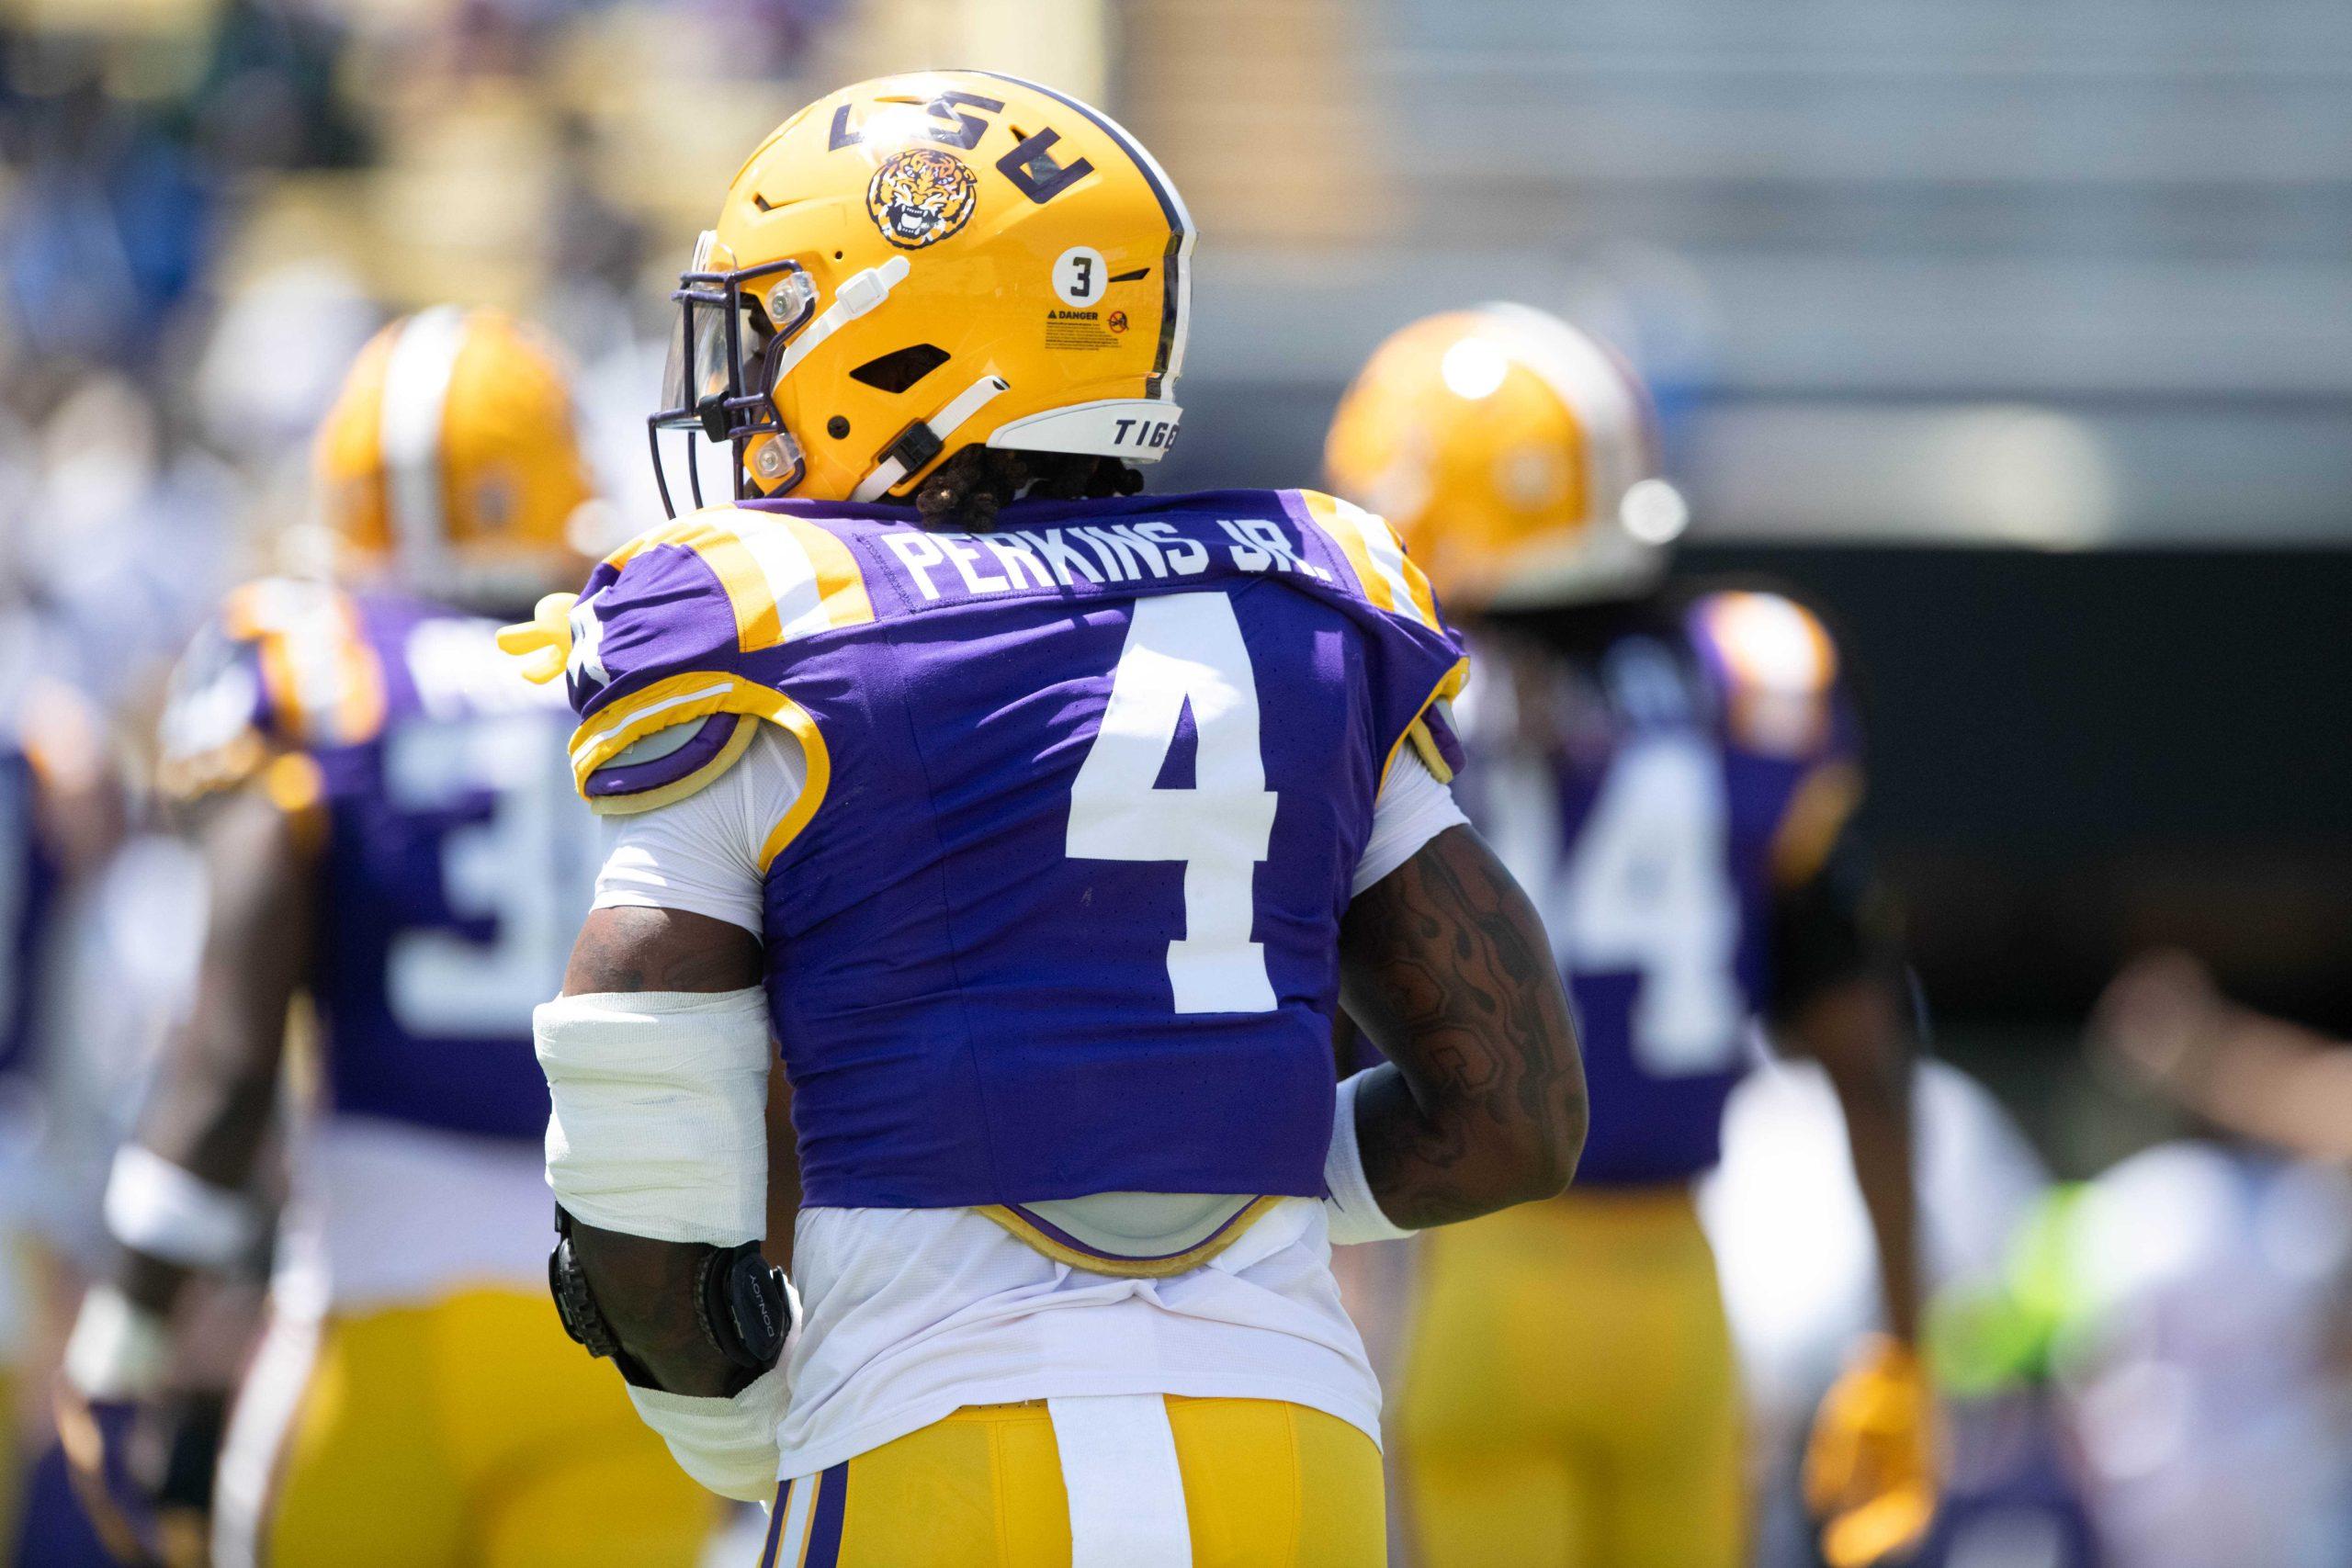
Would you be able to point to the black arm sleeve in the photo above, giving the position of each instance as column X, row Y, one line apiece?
column 1837, row 925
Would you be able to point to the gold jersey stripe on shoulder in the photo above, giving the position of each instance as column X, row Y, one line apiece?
column 1823, row 802
column 784, row 577
column 841, row 583
column 320, row 678
column 1388, row 575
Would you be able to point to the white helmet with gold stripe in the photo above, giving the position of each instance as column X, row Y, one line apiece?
column 449, row 463
column 1517, row 457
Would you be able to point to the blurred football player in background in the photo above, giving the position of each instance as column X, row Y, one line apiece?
column 1044, row 824
column 1673, row 777
column 64, row 816
column 29, row 871
column 379, row 799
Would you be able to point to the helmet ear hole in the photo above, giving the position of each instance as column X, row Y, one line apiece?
column 900, row 368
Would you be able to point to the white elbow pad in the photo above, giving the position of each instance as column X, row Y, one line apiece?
column 660, row 1122
column 1352, row 1212
column 728, row 1445
column 156, row 1207
column 117, row 1350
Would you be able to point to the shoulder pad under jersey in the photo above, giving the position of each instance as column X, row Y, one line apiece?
column 284, row 666
column 657, row 638
column 1393, row 583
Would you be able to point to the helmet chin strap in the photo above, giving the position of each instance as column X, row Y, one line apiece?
column 923, row 440
column 859, row 293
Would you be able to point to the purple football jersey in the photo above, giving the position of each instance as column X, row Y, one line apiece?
column 26, row 882
column 1058, row 911
column 453, row 868
column 1646, row 794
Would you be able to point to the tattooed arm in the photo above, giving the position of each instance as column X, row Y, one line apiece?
column 646, row 1288
column 1445, row 966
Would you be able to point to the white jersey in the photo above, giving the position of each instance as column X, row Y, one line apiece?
column 387, row 1214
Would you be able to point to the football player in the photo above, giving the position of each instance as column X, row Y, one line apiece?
column 1673, row 778
column 379, row 798
column 62, row 815
column 1044, row 825
column 27, row 880
column 28, row 874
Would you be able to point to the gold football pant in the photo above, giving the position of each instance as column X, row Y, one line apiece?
column 1570, row 1397
column 471, row 1432
column 1265, row 1485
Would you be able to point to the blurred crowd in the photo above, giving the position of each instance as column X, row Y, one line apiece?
column 205, row 211
column 206, row 206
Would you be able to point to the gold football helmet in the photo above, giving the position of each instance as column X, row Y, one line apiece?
column 449, row 463
column 920, row 263
column 1516, row 457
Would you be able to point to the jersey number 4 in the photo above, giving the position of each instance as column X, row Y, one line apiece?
column 1648, row 891
column 1184, row 652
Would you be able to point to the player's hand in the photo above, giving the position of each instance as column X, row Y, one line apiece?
column 2160, row 1018
column 144, row 1471
column 544, row 642
column 142, row 1456
column 1870, row 1471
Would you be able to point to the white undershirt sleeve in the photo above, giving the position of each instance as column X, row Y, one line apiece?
column 1413, row 808
column 702, row 854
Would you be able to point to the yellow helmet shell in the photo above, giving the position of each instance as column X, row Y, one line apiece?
column 987, row 261
column 1515, row 457
column 450, row 459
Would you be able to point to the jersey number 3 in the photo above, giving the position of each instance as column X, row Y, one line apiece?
column 1184, row 652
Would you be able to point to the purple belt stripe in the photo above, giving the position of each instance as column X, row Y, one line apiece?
column 1055, row 1234
column 825, row 1529
column 775, row 1524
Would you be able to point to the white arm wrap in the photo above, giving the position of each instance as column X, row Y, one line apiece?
column 728, row 1445
column 661, row 1099
column 153, row 1206
column 1352, row 1212
column 117, row 1350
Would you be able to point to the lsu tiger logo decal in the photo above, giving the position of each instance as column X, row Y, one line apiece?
column 918, row 198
